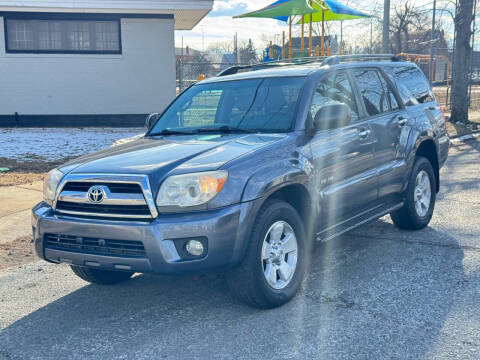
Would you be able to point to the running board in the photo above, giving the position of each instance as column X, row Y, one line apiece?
column 348, row 228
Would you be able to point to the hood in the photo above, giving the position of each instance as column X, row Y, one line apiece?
column 160, row 155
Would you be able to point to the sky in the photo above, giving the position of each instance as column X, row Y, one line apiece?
column 219, row 26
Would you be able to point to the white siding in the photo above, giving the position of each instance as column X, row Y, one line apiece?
column 187, row 12
column 139, row 81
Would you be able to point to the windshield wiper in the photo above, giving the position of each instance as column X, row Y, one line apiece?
column 226, row 129
column 170, row 132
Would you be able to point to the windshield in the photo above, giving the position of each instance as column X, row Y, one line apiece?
column 260, row 105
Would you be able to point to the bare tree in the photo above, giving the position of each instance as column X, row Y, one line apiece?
column 221, row 47
column 406, row 19
column 462, row 58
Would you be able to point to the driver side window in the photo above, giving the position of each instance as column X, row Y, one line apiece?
column 334, row 88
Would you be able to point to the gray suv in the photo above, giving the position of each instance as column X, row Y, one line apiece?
column 243, row 171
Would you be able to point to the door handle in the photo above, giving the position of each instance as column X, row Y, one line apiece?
column 363, row 134
column 402, row 121
column 433, row 108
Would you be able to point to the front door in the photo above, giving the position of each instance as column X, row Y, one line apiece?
column 344, row 176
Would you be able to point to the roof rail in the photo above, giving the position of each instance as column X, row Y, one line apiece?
column 337, row 59
column 321, row 60
column 270, row 64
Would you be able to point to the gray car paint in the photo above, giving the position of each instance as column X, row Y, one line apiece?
column 341, row 174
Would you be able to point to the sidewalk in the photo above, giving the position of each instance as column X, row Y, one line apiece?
column 17, row 201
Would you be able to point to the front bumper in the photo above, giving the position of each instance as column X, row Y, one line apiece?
column 226, row 229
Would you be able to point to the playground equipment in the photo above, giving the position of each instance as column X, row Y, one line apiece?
column 310, row 11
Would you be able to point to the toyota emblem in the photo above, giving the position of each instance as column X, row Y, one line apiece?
column 96, row 194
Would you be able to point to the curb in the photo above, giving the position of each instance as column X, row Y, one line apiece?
column 463, row 138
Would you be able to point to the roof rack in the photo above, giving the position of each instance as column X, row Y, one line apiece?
column 321, row 60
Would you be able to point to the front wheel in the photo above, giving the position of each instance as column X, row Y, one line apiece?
column 417, row 211
column 275, row 263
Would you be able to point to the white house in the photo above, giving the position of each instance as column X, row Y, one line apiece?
column 89, row 62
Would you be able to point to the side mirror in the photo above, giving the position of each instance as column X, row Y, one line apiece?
column 332, row 117
column 151, row 120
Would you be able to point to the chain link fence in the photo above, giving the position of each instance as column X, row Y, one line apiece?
column 189, row 73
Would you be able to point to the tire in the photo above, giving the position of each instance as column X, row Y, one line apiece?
column 101, row 277
column 408, row 216
column 248, row 282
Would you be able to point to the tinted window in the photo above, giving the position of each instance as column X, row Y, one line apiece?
column 63, row 36
column 373, row 93
column 256, row 104
column 412, row 85
column 392, row 102
column 334, row 88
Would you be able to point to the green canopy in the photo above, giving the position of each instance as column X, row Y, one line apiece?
column 280, row 9
column 333, row 10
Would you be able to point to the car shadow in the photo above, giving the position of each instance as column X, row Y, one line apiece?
column 373, row 293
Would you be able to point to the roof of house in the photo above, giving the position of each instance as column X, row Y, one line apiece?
column 187, row 13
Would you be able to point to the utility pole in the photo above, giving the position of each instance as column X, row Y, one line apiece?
column 235, row 49
column 432, row 42
column 371, row 37
column 386, row 27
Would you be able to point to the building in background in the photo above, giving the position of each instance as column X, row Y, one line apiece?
column 89, row 63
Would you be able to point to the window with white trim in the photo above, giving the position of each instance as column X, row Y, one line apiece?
column 63, row 36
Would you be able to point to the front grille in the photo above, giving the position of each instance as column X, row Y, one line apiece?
column 97, row 246
column 123, row 210
column 117, row 188
column 125, row 198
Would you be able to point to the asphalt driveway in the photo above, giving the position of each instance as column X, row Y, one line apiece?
column 374, row 293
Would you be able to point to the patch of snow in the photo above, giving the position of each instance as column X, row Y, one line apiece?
column 51, row 144
column 126, row 140
column 465, row 137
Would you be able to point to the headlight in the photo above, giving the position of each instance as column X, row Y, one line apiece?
column 191, row 189
column 50, row 185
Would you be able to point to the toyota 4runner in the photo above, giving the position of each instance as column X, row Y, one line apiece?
column 242, row 171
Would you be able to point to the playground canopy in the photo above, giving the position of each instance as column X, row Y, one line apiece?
column 333, row 10
column 281, row 10
column 310, row 11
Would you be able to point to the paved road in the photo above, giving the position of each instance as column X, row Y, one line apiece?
column 375, row 293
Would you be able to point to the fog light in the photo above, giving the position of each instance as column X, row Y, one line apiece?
column 194, row 247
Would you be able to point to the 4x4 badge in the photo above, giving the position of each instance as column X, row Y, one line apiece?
column 96, row 194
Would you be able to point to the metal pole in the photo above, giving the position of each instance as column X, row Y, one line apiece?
column 323, row 33
column 371, row 37
column 180, row 75
column 432, row 46
column 341, row 37
column 473, row 50
column 290, row 38
column 310, row 41
column 386, row 27
column 302, row 40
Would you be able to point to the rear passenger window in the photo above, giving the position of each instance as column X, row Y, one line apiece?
column 412, row 85
column 374, row 95
column 393, row 103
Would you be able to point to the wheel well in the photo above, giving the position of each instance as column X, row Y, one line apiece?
column 299, row 198
column 428, row 150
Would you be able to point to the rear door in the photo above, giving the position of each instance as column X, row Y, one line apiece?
column 344, row 175
column 419, row 100
column 390, row 125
